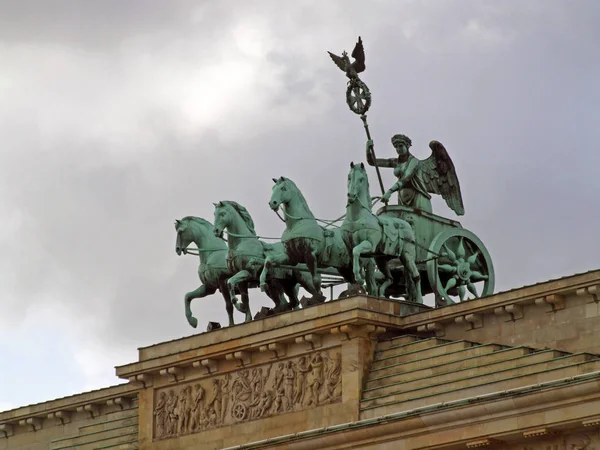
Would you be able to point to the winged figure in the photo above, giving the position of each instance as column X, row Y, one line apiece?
column 418, row 179
column 343, row 62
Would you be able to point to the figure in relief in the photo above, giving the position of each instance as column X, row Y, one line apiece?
column 315, row 379
column 333, row 386
column 183, row 410
column 290, row 376
column 160, row 412
column 213, row 405
column 171, row 415
column 197, row 407
column 225, row 392
column 302, row 368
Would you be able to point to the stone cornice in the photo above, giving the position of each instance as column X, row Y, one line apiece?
column 62, row 408
column 509, row 303
column 300, row 318
column 346, row 319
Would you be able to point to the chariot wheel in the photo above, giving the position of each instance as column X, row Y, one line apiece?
column 358, row 96
column 463, row 267
column 239, row 412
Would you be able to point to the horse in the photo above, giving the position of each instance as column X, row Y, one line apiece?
column 212, row 271
column 305, row 241
column 246, row 256
column 382, row 237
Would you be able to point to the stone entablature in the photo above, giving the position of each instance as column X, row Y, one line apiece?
column 33, row 427
column 291, row 372
column 562, row 314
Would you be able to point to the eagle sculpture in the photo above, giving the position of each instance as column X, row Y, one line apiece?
column 343, row 62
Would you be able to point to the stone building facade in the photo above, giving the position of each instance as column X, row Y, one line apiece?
column 519, row 370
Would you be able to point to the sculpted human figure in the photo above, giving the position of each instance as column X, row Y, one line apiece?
column 160, row 412
column 279, row 388
column 197, row 407
column 302, row 368
column 315, row 379
column 333, row 383
column 241, row 388
column 225, row 390
column 171, row 415
column 418, row 179
column 213, row 405
column 290, row 376
column 182, row 410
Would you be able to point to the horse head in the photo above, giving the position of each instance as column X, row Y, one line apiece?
column 222, row 218
column 358, row 183
column 281, row 193
column 234, row 217
column 190, row 229
column 183, row 236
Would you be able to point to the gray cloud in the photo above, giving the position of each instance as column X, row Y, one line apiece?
column 121, row 117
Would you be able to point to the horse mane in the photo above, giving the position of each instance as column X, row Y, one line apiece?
column 197, row 219
column 362, row 167
column 244, row 214
column 298, row 191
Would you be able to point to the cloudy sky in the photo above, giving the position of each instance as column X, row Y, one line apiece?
column 117, row 118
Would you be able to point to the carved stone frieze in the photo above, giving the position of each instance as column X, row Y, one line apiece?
column 249, row 394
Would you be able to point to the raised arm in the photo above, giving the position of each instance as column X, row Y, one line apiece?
column 379, row 162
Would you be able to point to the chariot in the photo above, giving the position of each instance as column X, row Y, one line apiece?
column 451, row 259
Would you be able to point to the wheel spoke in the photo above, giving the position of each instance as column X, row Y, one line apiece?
column 471, row 259
column 449, row 253
column 450, row 284
column 461, row 292
column 472, row 289
column 460, row 251
column 478, row 276
column 447, row 268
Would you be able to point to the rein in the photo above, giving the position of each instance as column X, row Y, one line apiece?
column 328, row 223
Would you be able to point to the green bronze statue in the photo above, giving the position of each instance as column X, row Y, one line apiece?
column 212, row 271
column 247, row 254
column 418, row 179
column 307, row 242
column 383, row 237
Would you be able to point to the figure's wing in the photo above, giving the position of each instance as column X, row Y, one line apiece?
column 440, row 177
column 338, row 60
column 359, row 55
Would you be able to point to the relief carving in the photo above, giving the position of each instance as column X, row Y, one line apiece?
column 249, row 394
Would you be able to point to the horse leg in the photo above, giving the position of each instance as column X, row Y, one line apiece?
column 270, row 261
column 306, row 281
column 228, row 304
column 384, row 267
column 291, row 290
column 246, row 301
column 202, row 291
column 363, row 247
column 369, row 267
column 275, row 291
column 232, row 283
column 413, row 276
column 311, row 263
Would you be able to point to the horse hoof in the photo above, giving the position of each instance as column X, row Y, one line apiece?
column 193, row 321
